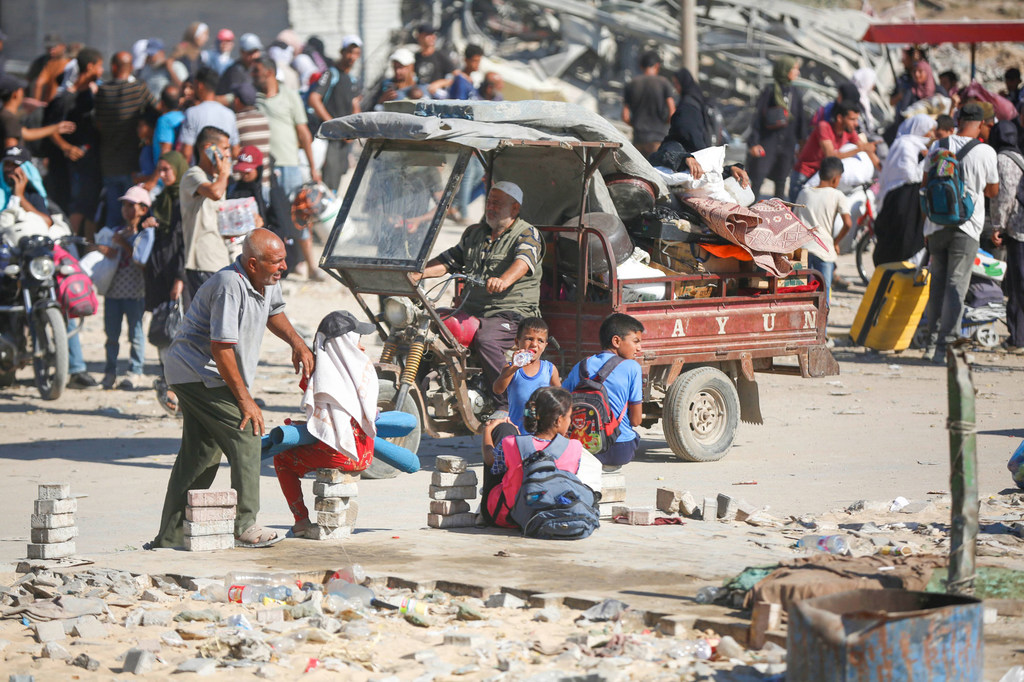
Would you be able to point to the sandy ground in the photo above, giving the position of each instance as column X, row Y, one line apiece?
column 875, row 432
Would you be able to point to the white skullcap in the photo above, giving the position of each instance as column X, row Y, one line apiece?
column 511, row 189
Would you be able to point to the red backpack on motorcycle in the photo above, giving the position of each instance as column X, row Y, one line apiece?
column 75, row 292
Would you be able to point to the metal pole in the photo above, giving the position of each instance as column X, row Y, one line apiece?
column 963, row 477
column 688, row 35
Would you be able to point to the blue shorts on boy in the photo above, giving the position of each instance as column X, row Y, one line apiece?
column 522, row 387
column 624, row 386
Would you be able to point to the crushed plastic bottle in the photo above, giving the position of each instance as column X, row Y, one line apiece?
column 215, row 592
column 335, row 603
column 706, row 595
column 239, row 621
column 691, row 648
column 350, row 574
column 833, row 544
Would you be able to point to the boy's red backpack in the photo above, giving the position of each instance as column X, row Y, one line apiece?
column 75, row 291
column 593, row 423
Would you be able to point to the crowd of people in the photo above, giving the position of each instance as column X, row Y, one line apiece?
column 789, row 146
column 144, row 158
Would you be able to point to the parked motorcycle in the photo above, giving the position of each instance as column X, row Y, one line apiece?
column 32, row 325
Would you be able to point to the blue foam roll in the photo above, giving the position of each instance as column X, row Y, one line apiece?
column 401, row 458
column 395, row 424
column 284, row 437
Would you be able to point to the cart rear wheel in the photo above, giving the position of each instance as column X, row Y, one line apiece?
column 385, row 395
column 702, row 411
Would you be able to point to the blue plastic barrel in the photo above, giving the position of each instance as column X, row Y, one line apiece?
column 873, row 635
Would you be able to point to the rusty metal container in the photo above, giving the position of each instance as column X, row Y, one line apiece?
column 885, row 636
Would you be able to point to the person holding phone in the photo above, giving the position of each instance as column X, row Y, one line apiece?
column 203, row 189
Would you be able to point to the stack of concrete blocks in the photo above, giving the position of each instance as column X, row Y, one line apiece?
column 451, row 488
column 53, row 523
column 336, row 506
column 210, row 520
column 613, row 492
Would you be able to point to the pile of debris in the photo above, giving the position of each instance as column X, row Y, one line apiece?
column 112, row 621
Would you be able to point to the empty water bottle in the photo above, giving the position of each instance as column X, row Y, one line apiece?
column 354, row 593
column 833, row 544
column 706, row 595
column 257, row 579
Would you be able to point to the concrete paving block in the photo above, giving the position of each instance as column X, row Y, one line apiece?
column 667, row 500
column 709, row 510
column 56, row 550
column 448, row 507
column 68, row 506
column 159, row 617
column 504, row 600
column 737, row 629
column 545, row 600
column 395, row 582
column 332, row 504
column 745, row 510
column 619, row 510
column 138, row 661
column 335, row 489
column 464, row 492
column 89, row 627
column 458, row 589
column 448, row 480
column 56, row 651
column 155, row 596
column 613, row 479
column 612, row 494
column 199, row 666
column 54, row 491
column 466, row 520
column 726, row 507
column 606, row 510
column 50, row 631
column 209, row 543
column 472, row 641
column 339, row 519
column 207, row 514
column 325, row 533
column 200, row 528
column 335, row 476
column 450, row 464
column 641, row 516
column 677, row 625
column 765, row 616
column 212, row 498
column 687, row 504
column 53, row 520
column 51, row 535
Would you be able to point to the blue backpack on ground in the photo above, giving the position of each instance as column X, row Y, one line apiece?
column 552, row 504
column 944, row 199
column 1014, row 465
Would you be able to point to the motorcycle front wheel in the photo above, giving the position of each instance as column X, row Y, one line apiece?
column 50, row 352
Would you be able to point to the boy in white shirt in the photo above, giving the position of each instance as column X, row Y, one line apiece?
column 818, row 208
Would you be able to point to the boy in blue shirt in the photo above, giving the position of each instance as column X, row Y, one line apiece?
column 620, row 335
column 521, row 380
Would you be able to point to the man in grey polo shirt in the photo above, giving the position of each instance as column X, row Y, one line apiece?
column 210, row 366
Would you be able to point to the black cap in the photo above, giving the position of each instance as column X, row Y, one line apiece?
column 53, row 39
column 425, row 29
column 972, row 111
column 9, row 84
column 16, row 155
column 341, row 322
column 245, row 92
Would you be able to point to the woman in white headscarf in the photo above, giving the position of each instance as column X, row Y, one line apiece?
column 900, row 223
column 865, row 79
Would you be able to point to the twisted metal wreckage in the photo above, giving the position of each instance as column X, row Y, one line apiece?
column 594, row 45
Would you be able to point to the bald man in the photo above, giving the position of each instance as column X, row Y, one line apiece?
column 118, row 104
column 210, row 366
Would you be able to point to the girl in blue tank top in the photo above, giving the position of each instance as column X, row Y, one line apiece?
column 521, row 380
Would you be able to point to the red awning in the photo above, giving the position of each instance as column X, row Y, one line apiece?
column 935, row 32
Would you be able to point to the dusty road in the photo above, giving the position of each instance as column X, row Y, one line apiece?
column 875, row 432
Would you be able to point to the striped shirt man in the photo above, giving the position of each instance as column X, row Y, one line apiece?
column 118, row 105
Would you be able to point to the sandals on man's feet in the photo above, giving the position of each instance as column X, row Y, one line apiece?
column 257, row 536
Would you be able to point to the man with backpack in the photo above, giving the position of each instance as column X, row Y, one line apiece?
column 959, row 173
column 608, row 393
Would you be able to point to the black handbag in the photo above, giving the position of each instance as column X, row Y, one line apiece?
column 166, row 322
column 776, row 118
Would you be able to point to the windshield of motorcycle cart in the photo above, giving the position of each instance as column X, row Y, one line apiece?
column 398, row 191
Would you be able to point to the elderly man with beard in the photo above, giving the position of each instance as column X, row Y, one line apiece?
column 211, row 365
column 504, row 251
